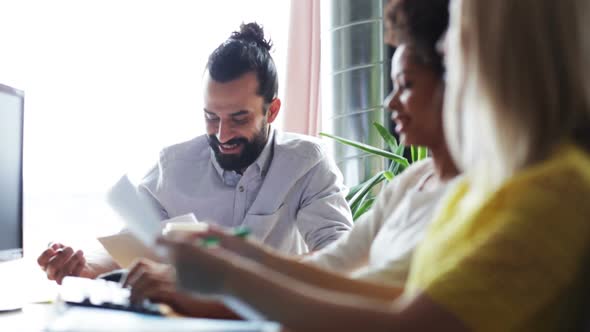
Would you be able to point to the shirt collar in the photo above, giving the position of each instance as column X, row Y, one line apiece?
column 261, row 163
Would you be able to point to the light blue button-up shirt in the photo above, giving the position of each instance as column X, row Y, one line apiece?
column 291, row 198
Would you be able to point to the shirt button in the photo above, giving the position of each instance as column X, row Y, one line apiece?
column 241, row 189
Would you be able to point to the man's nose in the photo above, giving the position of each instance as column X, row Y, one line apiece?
column 224, row 132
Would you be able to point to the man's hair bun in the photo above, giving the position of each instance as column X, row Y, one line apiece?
column 252, row 33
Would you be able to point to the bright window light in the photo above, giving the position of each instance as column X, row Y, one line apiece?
column 107, row 85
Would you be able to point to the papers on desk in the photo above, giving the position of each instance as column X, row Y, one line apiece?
column 103, row 320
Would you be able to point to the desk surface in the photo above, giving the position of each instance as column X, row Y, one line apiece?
column 26, row 282
column 32, row 317
column 54, row 318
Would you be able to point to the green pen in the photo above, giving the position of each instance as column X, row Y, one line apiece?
column 212, row 241
column 241, row 231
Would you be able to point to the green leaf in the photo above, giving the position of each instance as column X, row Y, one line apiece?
column 360, row 195
column 387, row 137
column 422, row 153
column 369, row 149
column 388, row 175
column 414, row 151
column 359, row 203
column 400, row 150
column 392, row 167
column 398, row 169
column 355, row 189
column 395, row 167
column 364, row 207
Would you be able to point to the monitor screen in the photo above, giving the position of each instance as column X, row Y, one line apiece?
column 11, row 152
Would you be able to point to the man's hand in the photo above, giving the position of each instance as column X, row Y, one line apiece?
column 151, row 280
column 157, row 282
column 59, row 261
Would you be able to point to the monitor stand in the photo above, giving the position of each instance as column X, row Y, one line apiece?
column 12, row 286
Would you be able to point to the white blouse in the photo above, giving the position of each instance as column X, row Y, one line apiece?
column 381, row 244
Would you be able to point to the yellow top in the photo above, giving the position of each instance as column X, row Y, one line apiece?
column 512, row 259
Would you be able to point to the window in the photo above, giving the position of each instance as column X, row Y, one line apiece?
column 107, row 85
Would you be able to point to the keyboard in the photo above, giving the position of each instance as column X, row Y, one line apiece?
column 99, row 293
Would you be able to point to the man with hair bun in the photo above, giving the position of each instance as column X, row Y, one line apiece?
column 283, row 187
column 244, row 172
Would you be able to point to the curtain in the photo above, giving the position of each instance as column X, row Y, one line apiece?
column 302, row 113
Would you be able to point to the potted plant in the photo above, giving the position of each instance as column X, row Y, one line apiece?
column 362, row 196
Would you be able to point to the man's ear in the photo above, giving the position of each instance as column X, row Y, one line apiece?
column 273, row 110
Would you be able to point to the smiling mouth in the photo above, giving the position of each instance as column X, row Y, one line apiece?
column 230, row 148
column 401, row 121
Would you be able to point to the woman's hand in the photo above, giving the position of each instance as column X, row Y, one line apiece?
column 151, row 280
column 245, row 247
column 199, row 269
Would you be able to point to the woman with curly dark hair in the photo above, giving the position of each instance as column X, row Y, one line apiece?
column 420, row 23
column 380, row 246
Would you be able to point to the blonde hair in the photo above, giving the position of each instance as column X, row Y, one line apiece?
column 516, row 84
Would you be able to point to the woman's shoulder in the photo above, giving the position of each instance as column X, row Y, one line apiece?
column 554, row 191
column 566, row 171
column 412, row 175
column 408, row 179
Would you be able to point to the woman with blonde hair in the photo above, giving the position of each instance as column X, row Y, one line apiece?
column 508, row 250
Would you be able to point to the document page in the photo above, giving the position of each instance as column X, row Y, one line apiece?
column 141, row 217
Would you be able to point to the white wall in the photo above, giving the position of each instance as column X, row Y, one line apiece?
column 107, row 85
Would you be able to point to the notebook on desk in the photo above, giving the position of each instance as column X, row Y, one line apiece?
column 103, row 294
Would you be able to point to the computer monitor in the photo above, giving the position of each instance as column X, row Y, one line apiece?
column 11, row 175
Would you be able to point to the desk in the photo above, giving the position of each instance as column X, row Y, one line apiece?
column 30, row 284
column 32, row 318
column 41, row 317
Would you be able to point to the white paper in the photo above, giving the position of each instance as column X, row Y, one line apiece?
column 139, row 214
column 125, row 248
column 185, row 223
column 185, row 218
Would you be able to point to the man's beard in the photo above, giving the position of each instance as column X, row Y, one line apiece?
column 250, row 151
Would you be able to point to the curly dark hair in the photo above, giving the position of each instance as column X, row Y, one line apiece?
column 246, row 51
column 419, row 23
